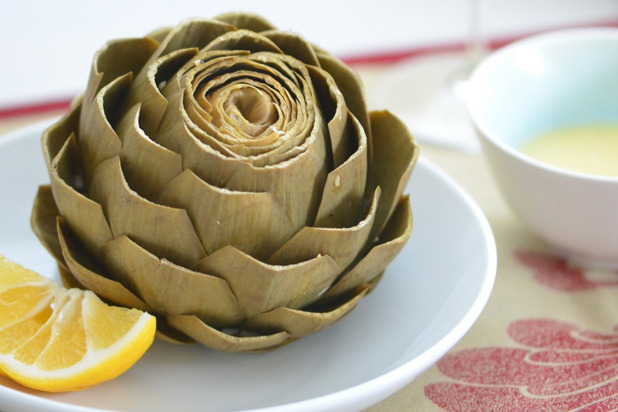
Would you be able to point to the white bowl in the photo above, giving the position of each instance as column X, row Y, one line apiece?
column 530, row 87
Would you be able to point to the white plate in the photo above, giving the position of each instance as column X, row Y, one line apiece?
column 429, row 297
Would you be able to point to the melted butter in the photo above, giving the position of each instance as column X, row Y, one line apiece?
column 587, row 149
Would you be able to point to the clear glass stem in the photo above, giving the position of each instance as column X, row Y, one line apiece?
column 475, row 45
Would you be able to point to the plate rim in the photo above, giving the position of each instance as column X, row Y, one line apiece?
column 363, row 394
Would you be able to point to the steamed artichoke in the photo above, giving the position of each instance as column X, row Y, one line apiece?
column 227, row 177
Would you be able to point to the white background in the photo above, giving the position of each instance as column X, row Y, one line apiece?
column 47, row 46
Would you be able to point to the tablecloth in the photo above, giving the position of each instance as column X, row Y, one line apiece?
column 548, row 337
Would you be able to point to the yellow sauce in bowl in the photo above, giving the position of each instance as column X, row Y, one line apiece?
column 587, row 149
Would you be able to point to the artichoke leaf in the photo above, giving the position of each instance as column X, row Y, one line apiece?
column 56, row 135
column 90, row 274
column 43, row 222
column 167, row 232
column 335, row 111
column 192, row 326
column 292, row 44
column 350, row 85
column 84, row 215
column 147, row 165
column 44, row 226
column 261, row 287
column 116, row 58
column 146, row 87
column 395, row 153
column 169, row 288
column 205, row 59
column 159, row 34
column 342, row 198
column 242, row 39
column 192, row 33
column 391, row 241
column 298, row 323
column 97, row 138
column 177, row 131
column 67, row 278
column 342, row 244
column 168, row 333
column 247, row 21
column 253, row 222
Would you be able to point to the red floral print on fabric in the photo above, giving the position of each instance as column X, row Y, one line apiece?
column 556, row 273
column 558, row 367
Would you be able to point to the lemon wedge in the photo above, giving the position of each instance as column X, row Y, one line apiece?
column 55, row 339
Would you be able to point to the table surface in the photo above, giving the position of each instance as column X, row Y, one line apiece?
column 548, row 337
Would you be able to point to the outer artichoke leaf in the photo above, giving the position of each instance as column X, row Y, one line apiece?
column 43, row 222
column 335, row 111
column 167, row 232
column 147, row 165
column 391, row 241
column 169, row 288
column 253, row 222
column 55, row 136
column 243, row 40
column 83, row 215
column 374, row 282
column 350, row 85
column 342, row 198
column 97, row 138
column 170, row 334
column 215, row 339
column 90, row 274
column 66, row 277
column 115, row 59
column 293, row 45
column 145, row 89
column 260, row 287
column 299, row 323
column 395, row 153
column 160, row 33
column 248, row 21
column 342, row 244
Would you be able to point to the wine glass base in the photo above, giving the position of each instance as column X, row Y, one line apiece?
column 428, row 94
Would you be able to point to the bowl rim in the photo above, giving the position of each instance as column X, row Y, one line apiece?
column 547, row 39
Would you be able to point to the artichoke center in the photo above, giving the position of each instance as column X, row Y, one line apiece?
column 250, row 110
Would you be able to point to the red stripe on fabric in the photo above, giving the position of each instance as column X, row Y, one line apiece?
column 395, row 56
column 35, row 108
